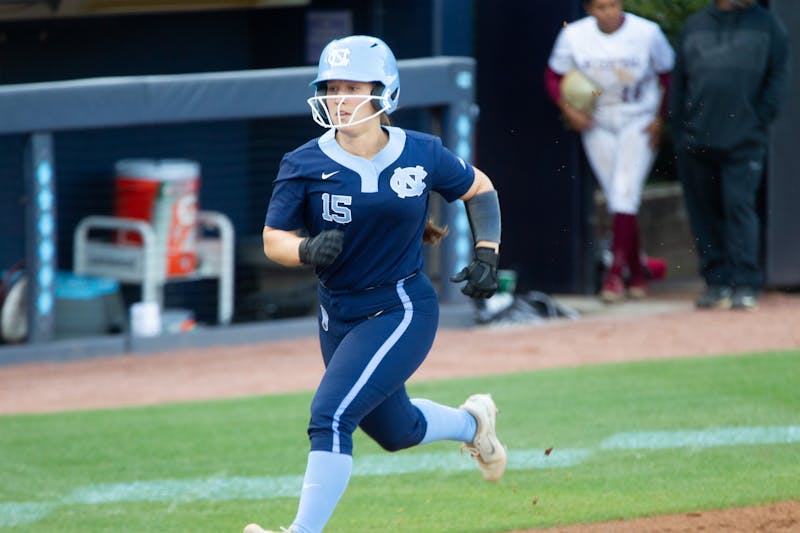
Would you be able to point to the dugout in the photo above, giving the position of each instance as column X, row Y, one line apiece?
column 546, row 191
column 48, row 62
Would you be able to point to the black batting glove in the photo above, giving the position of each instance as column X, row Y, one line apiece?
column 322, row 249
column 480, row 274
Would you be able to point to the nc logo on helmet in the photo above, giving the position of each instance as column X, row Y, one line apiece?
column 339, row 57
column 408, row 181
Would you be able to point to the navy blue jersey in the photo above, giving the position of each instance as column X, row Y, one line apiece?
column 381, row 204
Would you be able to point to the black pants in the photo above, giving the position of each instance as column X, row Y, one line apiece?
column 720, row 189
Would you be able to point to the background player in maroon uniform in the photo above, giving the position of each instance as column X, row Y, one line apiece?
column 628, row 59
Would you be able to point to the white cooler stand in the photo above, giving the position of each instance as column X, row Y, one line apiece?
column 145, row 264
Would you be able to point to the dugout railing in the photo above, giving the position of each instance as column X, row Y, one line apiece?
column 38, row 110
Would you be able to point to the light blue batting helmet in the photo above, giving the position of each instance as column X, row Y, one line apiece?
column 360, row 58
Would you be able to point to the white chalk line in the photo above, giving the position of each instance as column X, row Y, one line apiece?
column 221, row 488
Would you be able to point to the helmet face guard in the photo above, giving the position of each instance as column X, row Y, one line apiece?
column 356, row 58
column 329, row 116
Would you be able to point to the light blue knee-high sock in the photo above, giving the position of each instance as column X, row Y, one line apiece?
column 445, row 423
column 327, row 475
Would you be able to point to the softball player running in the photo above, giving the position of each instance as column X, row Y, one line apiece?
column 628, row 59
column 361, row 191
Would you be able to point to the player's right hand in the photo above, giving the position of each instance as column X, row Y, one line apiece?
column 575, row 119
column 323, row 249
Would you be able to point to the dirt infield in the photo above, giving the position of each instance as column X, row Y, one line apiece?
column 775, row 518
column 631, row 331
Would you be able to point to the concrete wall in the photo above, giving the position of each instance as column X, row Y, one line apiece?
column 782, row 233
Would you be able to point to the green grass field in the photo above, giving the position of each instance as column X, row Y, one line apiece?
column 628, row 440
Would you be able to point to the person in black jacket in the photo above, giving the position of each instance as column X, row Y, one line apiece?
column 730, row 78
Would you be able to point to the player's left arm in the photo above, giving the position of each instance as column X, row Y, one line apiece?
column 482, row 185
column 662, row 58
column 656, row 126
column 483, row 211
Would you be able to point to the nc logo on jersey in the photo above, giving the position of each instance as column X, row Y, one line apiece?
column 339, row 57
column 408, row 181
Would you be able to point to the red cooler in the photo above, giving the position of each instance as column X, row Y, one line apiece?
column 163, row 193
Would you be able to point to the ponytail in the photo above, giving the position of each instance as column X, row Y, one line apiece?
column 433, row 233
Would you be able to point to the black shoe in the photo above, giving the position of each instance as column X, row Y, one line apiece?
column 715, row 297
column 744, row 298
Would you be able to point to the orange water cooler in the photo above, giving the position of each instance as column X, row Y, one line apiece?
column 163, row 193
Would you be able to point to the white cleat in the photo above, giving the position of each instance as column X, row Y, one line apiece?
column 486, row 448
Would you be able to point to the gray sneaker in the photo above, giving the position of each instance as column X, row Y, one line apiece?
column 715, row 297
column 744, row 298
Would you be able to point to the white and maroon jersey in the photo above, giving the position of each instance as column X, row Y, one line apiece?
column 624, row 65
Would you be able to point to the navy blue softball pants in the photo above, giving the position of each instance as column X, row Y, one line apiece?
column 372, row 341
